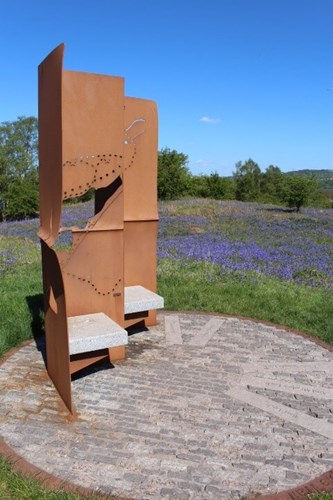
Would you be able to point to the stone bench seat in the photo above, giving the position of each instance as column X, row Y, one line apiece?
column 91, row 332
column 139, row 299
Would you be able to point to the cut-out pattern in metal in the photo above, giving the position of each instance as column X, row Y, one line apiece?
column 93, row 137
column 83, row 173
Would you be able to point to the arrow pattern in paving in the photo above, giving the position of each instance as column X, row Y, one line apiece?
column 204, row 407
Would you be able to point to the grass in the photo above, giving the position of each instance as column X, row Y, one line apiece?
column 196, row 286
column 191, row 279
column 185, row 285
column 16, row 486
column 20, row 304
column 321, row 496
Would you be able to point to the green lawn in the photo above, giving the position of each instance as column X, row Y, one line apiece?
column 16, row 486
column 185, row 284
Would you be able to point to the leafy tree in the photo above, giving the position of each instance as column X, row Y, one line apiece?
column 22, row 198
column 213, row 186
column 199, row 186
column 247, row 180
column 19, row 147
column 328, row 198
column 298, row 189
column 271, row 185
column 18, row 168
column 220, row 188
column 173, row 179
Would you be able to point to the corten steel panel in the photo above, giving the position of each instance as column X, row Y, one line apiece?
column 50, row 174
column 94, row 274
column 91, row 136
column 111, row 212
column 57, row 347
column 93, row 141
column 140, row 247
column 140, row 257
column 140, row 175
column 93, row 131
column 80, row 361
column 50, row 144
column 117, row 353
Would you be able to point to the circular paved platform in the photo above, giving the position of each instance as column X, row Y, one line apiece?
column 204, row 407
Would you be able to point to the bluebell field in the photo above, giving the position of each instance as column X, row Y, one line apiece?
column 240, row 239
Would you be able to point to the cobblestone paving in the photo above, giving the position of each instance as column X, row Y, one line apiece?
column 204, row 407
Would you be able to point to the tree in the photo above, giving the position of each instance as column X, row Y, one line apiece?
column 271, row 185
column 173, row 179
column 18, row 168
column 22, row 199
column 220, row 188
column 199, row 186
column 247, row 180
column 298, row 189
column 19, row 146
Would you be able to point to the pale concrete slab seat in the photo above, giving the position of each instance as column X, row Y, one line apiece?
column 138, row 299
column 91, row 332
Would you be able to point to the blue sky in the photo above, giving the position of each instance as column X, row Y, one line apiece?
column 232, row 79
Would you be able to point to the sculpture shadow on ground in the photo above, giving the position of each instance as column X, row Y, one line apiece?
column 36, row 309
column 35, row 305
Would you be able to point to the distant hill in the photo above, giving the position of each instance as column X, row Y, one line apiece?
column 324, row 177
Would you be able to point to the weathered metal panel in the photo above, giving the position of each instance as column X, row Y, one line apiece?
column 140, row 176
column 57, row 347
column 92, row 131
column 92, row 137
column 94, row 275
column 140, row 257
column 50, row 144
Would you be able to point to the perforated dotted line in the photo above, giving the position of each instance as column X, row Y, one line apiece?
column 102, row 159
column 132, row 158
column 92, row 285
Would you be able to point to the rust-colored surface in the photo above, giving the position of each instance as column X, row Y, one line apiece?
column 93, row 274
column 46, row 480
column 50, row 144
column 117, row 353
column 93, row 137
column 57, row 345
column 93, row 131
column 321, row 484
column 140, row 246
column 80, row 361
column 140, row 180
column 140, row 259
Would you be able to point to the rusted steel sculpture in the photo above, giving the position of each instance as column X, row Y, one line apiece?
column 92, row 136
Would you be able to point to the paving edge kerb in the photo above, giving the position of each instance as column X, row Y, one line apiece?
column 320, row 484
column 21, row 465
